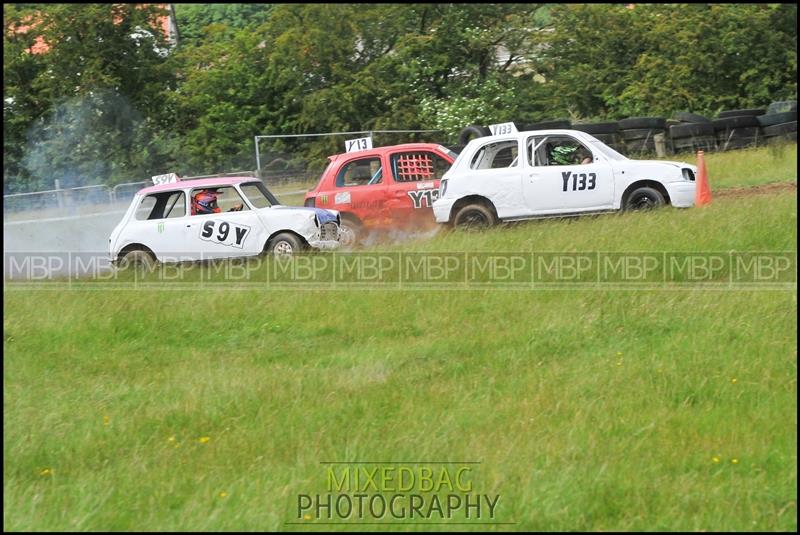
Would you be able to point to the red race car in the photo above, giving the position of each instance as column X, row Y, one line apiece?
column 383, row 188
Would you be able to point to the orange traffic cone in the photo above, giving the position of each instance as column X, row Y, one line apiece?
column 703, row 192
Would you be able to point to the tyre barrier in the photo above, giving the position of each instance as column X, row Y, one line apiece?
column 786, row 131
column 686, row 117
column 782, row 106
column 547, row 125
column 777, row 118
column 598, row 128
column 686, row 131
column 754, row 112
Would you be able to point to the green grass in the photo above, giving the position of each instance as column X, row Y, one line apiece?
column 748, row 167
column 589, row 409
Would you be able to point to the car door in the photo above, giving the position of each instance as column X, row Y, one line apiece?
column 159, row 222
column 231, row 232
column 413, row 185
column 495, row 172
column 359, row 188
column 582, row 181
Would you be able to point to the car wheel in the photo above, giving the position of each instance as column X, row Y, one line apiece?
column 285, row 244
column 474, row 217
column 644, row 198
column 349, row 233
column 137, row 259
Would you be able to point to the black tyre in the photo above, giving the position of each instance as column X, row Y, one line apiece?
column 609, row 139
column 285, row 244
column 640, row 133
column 782, row 106
column 644, row 198
column 740, row 121
column 474, row 217
column 137, row 259
column 781, row 129
column 686, row 117
column 691, row 129
column 471, row 132
column 694, row 143
column 548, row 125
column 746, row 133
column 636, row 123
column 752, row 112
column 777, row 118
column 350, row 233
column 597, row 128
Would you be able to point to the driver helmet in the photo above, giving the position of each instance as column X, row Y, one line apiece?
column 205, row 202
column 563, row 155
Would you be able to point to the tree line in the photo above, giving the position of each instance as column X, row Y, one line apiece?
column 111, row 101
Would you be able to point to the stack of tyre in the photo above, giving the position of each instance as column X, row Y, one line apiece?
column 690, row 132
column 545, row 125
column 780, row 121
column 608, row 133
column 641, row 134
column 737, row 129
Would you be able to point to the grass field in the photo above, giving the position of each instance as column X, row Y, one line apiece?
column 587, row 408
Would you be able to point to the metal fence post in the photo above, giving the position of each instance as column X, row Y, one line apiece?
column 59, row 197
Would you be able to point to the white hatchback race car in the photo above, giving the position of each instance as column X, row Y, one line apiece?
column 216, row 218
column 524, row 175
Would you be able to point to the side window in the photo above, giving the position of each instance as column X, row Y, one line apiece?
column 216, row 200
column 363, row 172
column 496, row 155
column 166, row 205
column 415, row 166
column 254, row 192
column 559, row 150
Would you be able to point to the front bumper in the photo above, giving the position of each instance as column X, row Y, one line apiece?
column 442, row 209
column 681, row 194
column 325, row 245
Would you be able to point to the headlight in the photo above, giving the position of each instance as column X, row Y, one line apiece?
column 688, row 174
column 442, row 188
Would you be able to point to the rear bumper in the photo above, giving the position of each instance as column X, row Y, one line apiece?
column 681, row 194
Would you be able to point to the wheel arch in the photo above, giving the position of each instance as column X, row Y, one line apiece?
column 656, row 185
column 135, row 247
column 283, row 231
column 350, row 216
column 471, row 199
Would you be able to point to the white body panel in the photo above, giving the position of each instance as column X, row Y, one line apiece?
column 526, row 189
column 220, row 235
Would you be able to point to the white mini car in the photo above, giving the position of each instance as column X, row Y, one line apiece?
column 239, row 217
column 544, row 173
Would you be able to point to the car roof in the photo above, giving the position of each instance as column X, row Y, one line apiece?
column 198, row 183
column 379, row 151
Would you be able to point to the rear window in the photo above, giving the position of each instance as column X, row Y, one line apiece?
column 496, row 155
column 415, row 166
column 165, row 205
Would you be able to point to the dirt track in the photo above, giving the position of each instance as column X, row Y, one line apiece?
column 776, row 187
